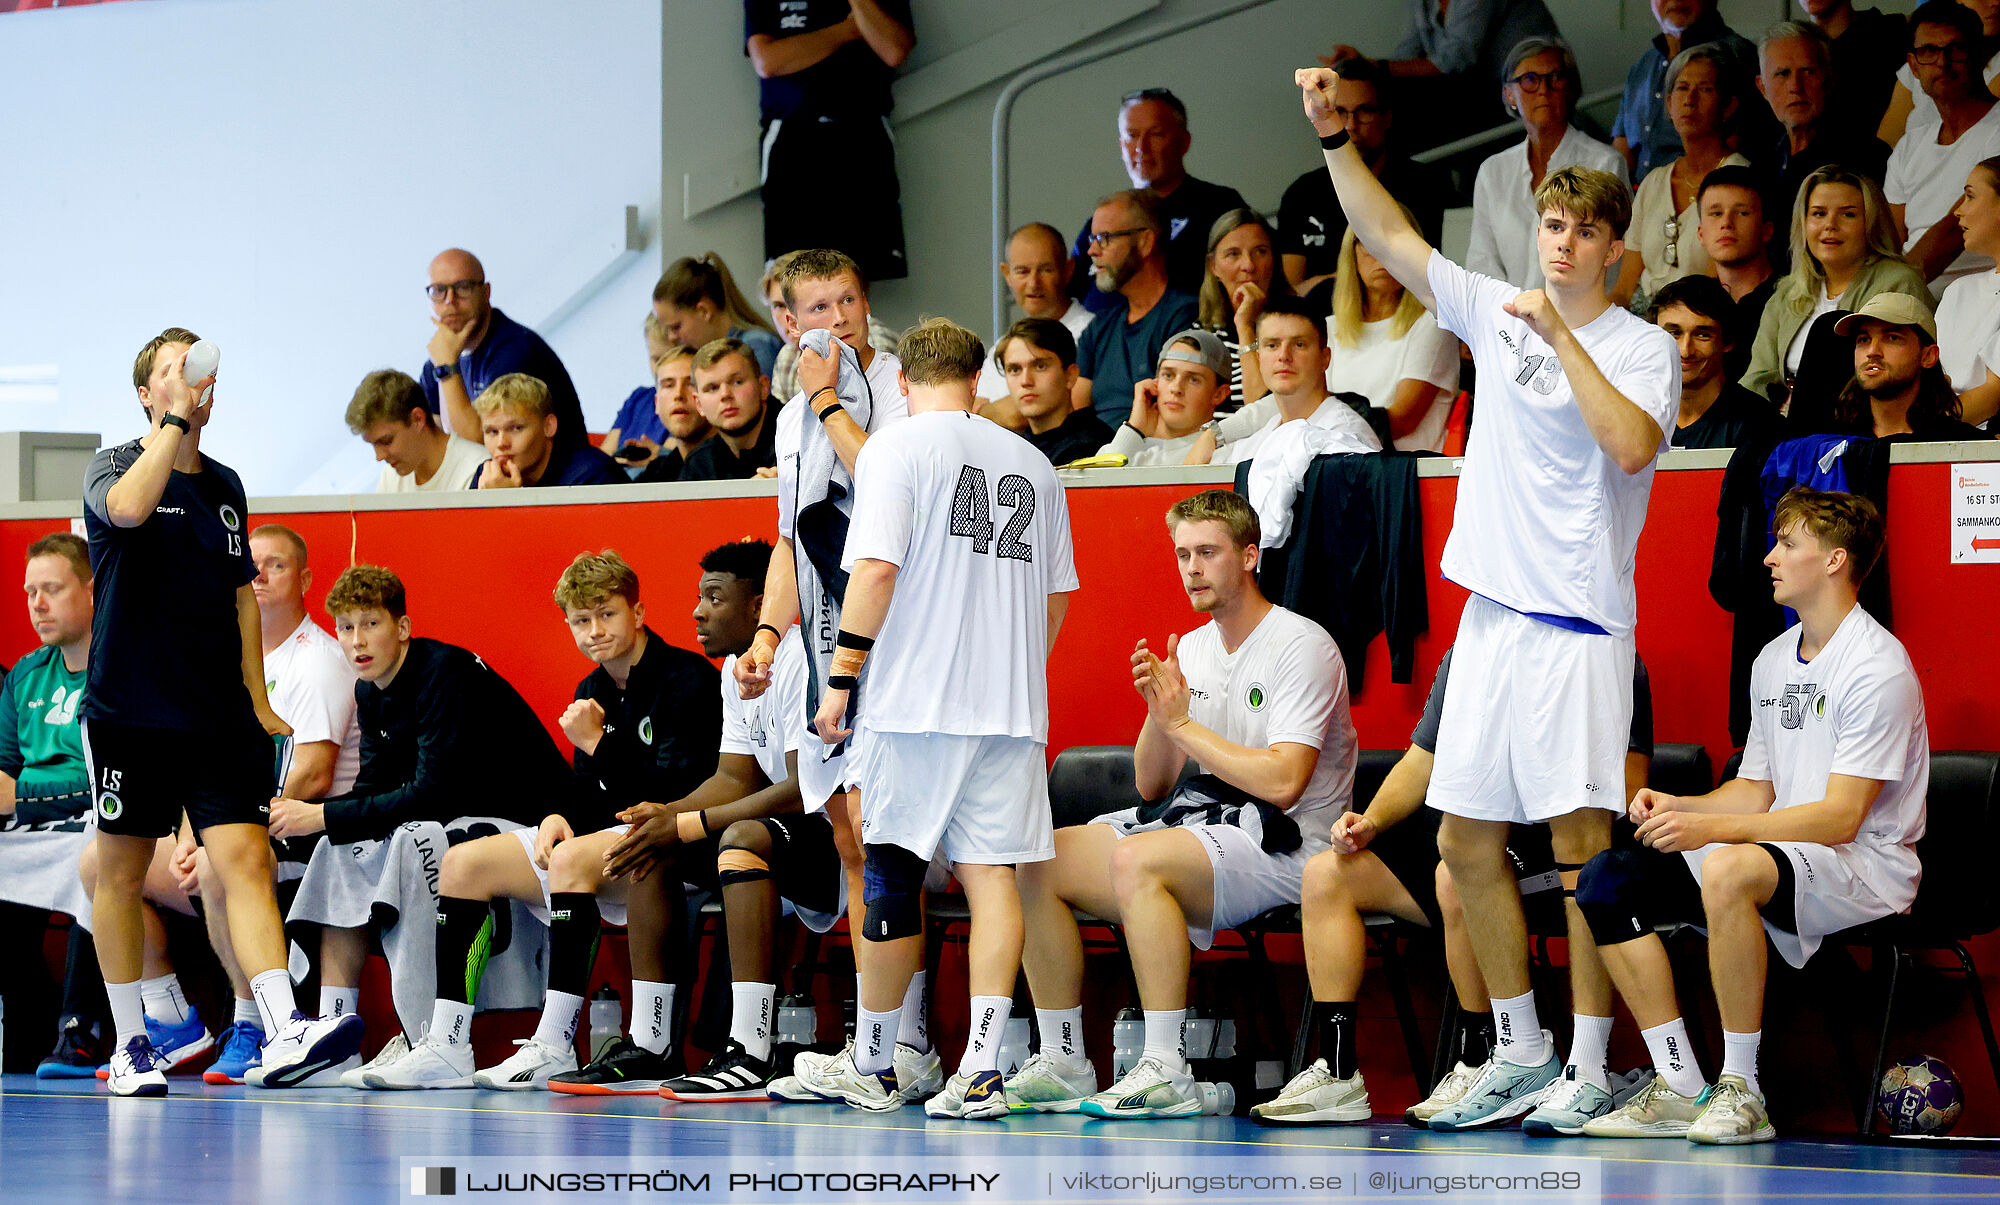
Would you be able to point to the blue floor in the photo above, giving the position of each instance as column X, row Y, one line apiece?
column 71, row 1142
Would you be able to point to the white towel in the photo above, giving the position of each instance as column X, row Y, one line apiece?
column 38, row 864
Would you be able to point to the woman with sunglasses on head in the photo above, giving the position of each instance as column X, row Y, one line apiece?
column 1703, row 92
column 1541, row 87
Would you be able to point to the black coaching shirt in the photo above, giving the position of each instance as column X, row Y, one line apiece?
column 662, row 731
column 165, row 647
column 449, row 737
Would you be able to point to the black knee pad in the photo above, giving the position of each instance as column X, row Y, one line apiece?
column 1608, row 894
column 892, row 885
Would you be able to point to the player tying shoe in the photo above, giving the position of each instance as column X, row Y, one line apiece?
column 1575, row 396
column 959, row 555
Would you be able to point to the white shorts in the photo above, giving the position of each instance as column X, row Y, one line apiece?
column 1248, row 881
column 821, row 777
column 1828, row 894
column 612, row 911
column 977, row 799
column 1536, row 719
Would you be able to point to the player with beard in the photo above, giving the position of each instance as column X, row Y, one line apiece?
column 1898, row 391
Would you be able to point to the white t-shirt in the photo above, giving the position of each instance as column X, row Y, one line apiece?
column 1138, row 450
column 1546, row 522
column 1352, row 431
column 1924, row 110
column 993, row 383
column 1796, row 350
column 1380, row 363
column 768, row 726
column 1854, row 709
column 1503, row 207
column 462, row 458
column 1928, row 179
column 1285, row 684
column 312, row 688
column 1968, row 321
column 972, row 516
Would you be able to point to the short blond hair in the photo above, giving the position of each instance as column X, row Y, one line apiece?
column 1836, row 520
column 142, row 364
column 280, row 532
column 674, row 352
column 1587, row 195
column 715, row 351
column 366, row 588
column 385, row 395
column 938, row 351
column 817, row 263
column 1226, row 507
column 593, row 577
column 515, row 391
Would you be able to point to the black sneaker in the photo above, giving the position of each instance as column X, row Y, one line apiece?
column 732, row 1075
column 78, row 1053
column 624, row 1069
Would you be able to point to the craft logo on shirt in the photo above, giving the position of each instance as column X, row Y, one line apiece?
column 1256, row 697
column 646, row 729
column 230, row 518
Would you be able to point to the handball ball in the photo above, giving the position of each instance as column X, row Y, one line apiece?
column 1919, row 1097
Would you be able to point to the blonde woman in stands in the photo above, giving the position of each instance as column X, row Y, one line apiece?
column 1388, row 348
column 697, row 301
column 1844, row 251
column 1968, row 317
column 1242, row 272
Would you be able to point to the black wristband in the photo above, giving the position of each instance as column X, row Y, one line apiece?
column 817, row 411
column 1333, row 141
column 175, row 420
column 703, row 817
column 848, row 640
column 840, row 682
column 765, row 627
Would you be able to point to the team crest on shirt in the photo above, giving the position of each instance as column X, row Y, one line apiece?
column 646, row 729
column 1256, row 697
column 230, row 518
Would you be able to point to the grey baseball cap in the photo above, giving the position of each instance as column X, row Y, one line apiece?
column 1209, row 351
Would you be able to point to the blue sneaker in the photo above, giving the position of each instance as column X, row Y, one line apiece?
column 242, row 1047
column 174, row 1046
column 1502, row 1092
column 78, row 1053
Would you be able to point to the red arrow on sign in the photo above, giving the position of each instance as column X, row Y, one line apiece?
column 1981, row 545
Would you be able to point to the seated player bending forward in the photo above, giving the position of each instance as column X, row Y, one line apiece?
column 1258, row 699
column 1815, row 834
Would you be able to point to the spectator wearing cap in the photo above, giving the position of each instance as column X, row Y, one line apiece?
column 1119, row 347
column 1645, row 132
column 1174, row 407
column 1037, row 358
column 1735, row 235
column 1716, row 412
column 1292, row 352
column 1927, row 169
column 1389, row 349
column 1898, row 392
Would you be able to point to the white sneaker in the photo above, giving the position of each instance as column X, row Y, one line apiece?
column 332, row 1077
column 1656, row 1112
column 351, row 1078
column 136, row 1069
column 428, row 1064
column 305, row 1046
column 1149, row 1090
column 876, row 1092
column 918, row 1074
column 1049, row 1083
column 1316, row 1097
column 529, row 1067
column 979, row 1097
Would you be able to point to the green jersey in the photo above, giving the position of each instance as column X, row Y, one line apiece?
column 41, row 747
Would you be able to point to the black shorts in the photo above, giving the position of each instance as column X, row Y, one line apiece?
column 1410, row 851
column 805, row 863
column 142, row 779
column 1663, row 891
column 830, row 181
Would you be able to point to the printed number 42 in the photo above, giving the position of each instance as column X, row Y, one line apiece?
column 972, row 517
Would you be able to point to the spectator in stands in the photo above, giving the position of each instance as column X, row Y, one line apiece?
column 824, row 68
column 1663, row 242
column 1909, row 108
column 1541, row 90
column 1127, row 242
column 1843, row 253
column 1646, row 132
column 1736, row 237
column 1242, row 271
column 785, row 377
column 697, row 301
column 1310, row 221
column 1451, row 58
column 1388, row 348
column 1153, row 142
column 636, row 434
column 418, row 455
column 1968, row 317
column 679, row 409
column 1037, row 272
column 474, row 345
column 45, row 807
column 1716, row 412
column 1868, row 50
column 521, row 448
column 1172, row 409
column 1292, row 352
column 736, row 404
column 1927, row 169
column 1898, row 390
column 1037, row 356
column 1794, row 75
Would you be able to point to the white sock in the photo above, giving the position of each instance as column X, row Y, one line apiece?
column 163, row 999
column 273, row 993
column 560, row 1014
column 1590, row 1050
column 875, row 1039
column 982, row 1038
column 128, row 1015
column 652, row 1015
column 1739, row 1057
column 752, row 1006
column 1517, row 1032
column 338, row 1001
column 915, row 1029
column 247, row 1014
column 1672, row 1058
column 451, row 1024
column 1164, row 1040
column 1062, row 1032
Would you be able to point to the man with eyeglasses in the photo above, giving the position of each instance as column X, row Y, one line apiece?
column 475, row 345
column 1928, row 168
column 1127, row 246
column 1153, row 144
column 1643, row 133
column 1794, row 73
column 1310, row 222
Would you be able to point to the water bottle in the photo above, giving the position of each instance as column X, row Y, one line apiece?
column 606, row 1018
column 1198, row 1034
column 1013, row 1046
column 798, row 1021
column 1218, row 1099
column 1128, row 1041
